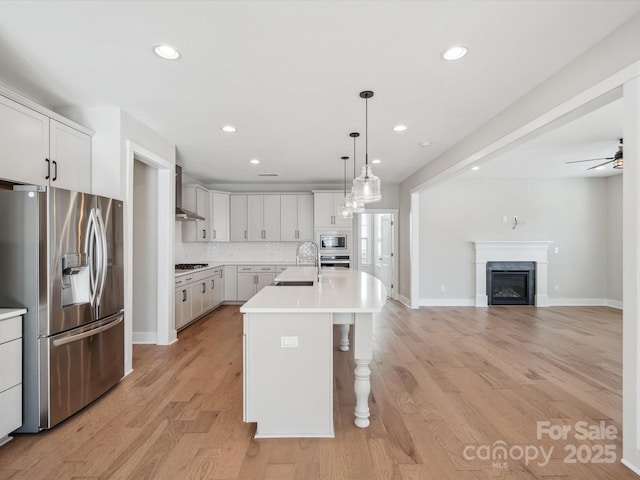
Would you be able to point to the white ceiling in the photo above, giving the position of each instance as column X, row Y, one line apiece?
column 287, row 74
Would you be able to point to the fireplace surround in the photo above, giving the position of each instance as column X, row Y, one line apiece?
column 511, row 283
column 512, row 251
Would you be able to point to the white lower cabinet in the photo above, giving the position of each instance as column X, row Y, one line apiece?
column 10, row 376
column 230, row 283
column 252, row 279
column 197, row 294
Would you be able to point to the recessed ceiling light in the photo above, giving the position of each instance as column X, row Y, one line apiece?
column 376, row 161
column 475, row 168
column 167, row 52
column 454, row 53
column 229, row 128
column 425, row 144
column 254, row 161
column 399, row 128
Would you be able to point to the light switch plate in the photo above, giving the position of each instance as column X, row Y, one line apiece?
column 289, row 342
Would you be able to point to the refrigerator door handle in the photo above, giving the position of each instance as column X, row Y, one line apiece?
column 89, row 333
column 90, row 248
column 101, row 238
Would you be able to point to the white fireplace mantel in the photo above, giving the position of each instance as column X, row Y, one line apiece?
column 512, row 251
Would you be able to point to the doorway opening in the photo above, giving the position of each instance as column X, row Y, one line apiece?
column 376, row 244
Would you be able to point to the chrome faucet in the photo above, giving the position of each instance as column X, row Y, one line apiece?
column 306, row 251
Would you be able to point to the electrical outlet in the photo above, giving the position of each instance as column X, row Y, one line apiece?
column 442, row 288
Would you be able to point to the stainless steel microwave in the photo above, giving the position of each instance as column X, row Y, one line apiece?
column 333, row 241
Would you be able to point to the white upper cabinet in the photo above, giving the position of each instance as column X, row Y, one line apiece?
column 326, row 210
column 70, row 157
column 39, row 150
column 220, row 216
column 263, row 218
column 196, row 199
column 24, row 143
column 238, row 218
column 296, row 212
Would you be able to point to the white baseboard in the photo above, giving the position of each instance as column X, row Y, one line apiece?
column 145, row 337
column 630, row 466
column 446, row 302
column 578, row 302
column 615, row 304
column 404, row 300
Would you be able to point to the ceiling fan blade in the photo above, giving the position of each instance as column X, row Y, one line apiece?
column 605, row 163
column 591, row 160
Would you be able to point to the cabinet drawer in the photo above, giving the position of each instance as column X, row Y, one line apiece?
column 11, row 408
column 10, row 364
column 256, row 268
column 281, row 268
column 10, row 329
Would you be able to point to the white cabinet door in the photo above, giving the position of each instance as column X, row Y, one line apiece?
column 230, row 283
column 70, row 155
column 24, row 143
column 217, row 290
column 255, row 220
column 326, row 210
column 246, row 286
column 288, row 218
column 271, row 218
column 296, row 216
column 263, row 218
column 185, row 307
column 196, row 299
column 264, row 280
column 177, row 322
column 196, row 199
column 305, row 217
column 220, row 214
column 323, row 214
column 238, row 218
column 206, row 294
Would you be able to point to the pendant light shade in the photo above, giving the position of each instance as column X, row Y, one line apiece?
column 345, row 208
column 366, row 187
column 352, row 203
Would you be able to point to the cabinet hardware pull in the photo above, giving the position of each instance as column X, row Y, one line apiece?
column 245, row 234
column 214, row 234
column 184, row 295
column 55, row 174
column 189, row 278
column 204, row 287
column 213, row 284
column 48, row 168
column 204, row 233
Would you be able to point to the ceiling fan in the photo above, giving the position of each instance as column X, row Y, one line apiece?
column 617, row 160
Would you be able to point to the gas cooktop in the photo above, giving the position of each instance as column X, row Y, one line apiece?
column 190, row 266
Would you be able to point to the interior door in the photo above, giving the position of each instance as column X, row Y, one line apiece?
column 383, row 249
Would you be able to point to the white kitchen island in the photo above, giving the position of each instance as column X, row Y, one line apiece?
column 288, row 349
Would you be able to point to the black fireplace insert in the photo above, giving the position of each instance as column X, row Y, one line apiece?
column 511, row 283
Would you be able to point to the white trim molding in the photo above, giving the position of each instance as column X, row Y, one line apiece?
column 512, row 251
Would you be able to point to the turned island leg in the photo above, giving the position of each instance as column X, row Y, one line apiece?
column 363, row 341
column 344, row 337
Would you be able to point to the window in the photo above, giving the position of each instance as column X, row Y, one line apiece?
column 365, row 239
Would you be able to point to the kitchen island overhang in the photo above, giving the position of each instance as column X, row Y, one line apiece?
column 288, row 349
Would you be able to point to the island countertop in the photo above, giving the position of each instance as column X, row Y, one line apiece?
column 339, row 291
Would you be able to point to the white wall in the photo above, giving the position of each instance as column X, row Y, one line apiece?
column 145, row 252
column 611, row 55
column 614, row 240
column 573, row 213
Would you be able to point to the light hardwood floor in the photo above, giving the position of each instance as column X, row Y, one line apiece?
column 445, row 382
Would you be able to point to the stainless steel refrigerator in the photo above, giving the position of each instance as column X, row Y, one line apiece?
column 61, row 257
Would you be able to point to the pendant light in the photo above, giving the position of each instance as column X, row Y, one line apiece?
column 345, row 209
column 366, row 187
column 355, row 205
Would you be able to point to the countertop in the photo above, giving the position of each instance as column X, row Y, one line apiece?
column 339, row 290
column 6, row 313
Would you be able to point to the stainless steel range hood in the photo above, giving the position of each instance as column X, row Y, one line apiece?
column 181, row 213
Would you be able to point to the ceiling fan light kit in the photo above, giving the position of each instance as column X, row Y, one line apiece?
column 617, row 160
column 366, row 187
